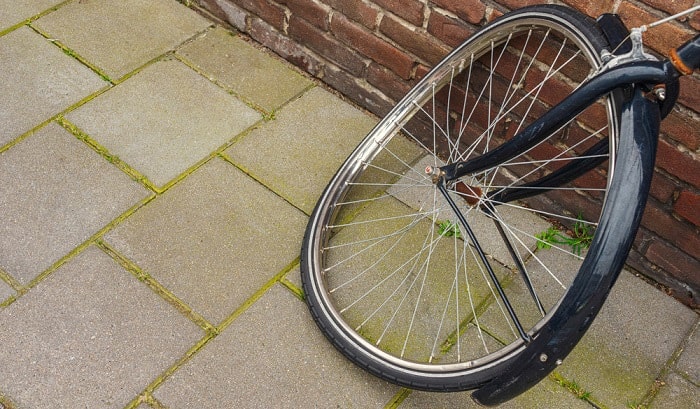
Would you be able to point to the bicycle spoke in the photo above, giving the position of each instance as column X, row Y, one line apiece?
column 408, row 272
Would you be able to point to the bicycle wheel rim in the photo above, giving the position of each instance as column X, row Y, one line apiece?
column 326, row 215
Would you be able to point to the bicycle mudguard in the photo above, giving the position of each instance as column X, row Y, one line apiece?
column 624, row 206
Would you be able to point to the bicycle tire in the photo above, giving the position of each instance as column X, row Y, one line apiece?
column 359, row 286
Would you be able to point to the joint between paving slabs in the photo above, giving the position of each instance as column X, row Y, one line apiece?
column 258, row 294
column 94, row 239
column 268, row 115
column 575, row 389
column 260, row 181
column 147, row 399
column 398, row 398
column 158, row 288
column 147, row 394
column 73, row 54
column 34, row 18
column 134, row 174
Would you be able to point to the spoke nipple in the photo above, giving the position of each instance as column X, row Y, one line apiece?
column 543, row 358
column 559, row 362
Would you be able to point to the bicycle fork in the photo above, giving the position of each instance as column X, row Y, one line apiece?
column 640, row 122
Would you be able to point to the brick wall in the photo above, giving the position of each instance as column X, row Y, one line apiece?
column 374, row 51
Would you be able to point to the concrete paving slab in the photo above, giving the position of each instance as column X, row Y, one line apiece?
column 677, row 392
column 244, row 69
column 14, row 12
column 91, row 335
column 213, row 239
column 549, row 283
column 272, row 356
column 37, row 81
column 5, row 291
column 67, row 194
column 297, row 153
column 520, row 223
column 544, row 395
column 689, row 361
column 627, row 346
column 120, row 36
column 164, row 120
column 294, row 277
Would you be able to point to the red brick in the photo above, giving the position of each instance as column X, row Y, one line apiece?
column 676, row 232
column 310, row 10
column 409, row 10
column 468, row 10
column 677, row 263
column 643, row 238
column 660, row 38
column 421, row 71
column 420, row 44
column 447, row 29
column 226, row 12
column 354, row 89
column 371, row 46
column 662, row 188
column 492, row 14
column 283, row 46
column 593, row 8
column 686, row 292
column 695, row 20
column 678, row 164
column 516, row 4
column 680, row 128
column 304, row 33
column 672, row 6
column 690, row 94
column 358, row 11
column 387, row 82
column 546, row 151
column 688, row 207
column 273, row 14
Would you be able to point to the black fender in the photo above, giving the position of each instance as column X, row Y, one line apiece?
column 640, row 120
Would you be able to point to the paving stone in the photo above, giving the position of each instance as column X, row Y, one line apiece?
column 297, row 153
column 546, row 394
column 213, row 239
column 91, row 335
column 244, row 69
column 624, row 351
column 272, row 356
column 164, row 120
column 294, row 277
column 67, row 194
column 120, row 36
column 5, row 291
column 689, row 361
column 524, row 224
column 677, row 393
column 37, row 81
column 13, row 12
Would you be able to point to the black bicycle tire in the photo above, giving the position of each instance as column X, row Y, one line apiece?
column 431, row 381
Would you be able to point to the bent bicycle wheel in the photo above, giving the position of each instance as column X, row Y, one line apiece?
column 389, row 272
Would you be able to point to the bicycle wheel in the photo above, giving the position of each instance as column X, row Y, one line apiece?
column 389, row 273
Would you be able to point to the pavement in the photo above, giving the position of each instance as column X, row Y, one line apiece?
column 156, row 176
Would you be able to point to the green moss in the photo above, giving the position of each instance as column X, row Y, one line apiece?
column 572, row 386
